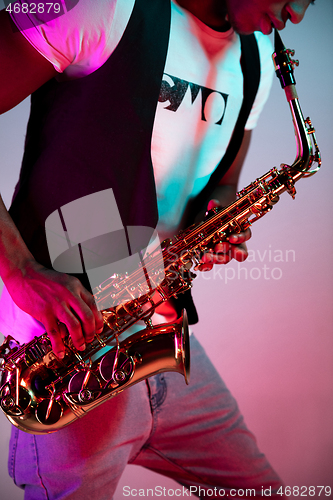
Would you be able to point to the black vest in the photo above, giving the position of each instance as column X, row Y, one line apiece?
column 94, row 133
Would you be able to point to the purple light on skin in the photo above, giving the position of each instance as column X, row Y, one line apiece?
column 28, row 14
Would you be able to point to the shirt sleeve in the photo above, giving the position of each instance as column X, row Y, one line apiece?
column 266, row 78
column 78, row 40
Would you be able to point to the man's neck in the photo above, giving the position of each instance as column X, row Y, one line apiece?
column 210, row 12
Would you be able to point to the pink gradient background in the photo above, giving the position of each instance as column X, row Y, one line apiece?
column 271, row 339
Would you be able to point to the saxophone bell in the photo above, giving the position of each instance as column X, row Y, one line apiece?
column 40, row 401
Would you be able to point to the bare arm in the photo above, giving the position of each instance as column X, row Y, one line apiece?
column 22, row 68
column 54, row 299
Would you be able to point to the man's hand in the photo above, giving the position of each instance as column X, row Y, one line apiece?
column 222, row 253
column 59, row 302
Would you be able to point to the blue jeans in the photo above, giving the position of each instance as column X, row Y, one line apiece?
column 194, row 434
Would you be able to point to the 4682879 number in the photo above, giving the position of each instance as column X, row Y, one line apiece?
column 305, row 491
column 34, row 8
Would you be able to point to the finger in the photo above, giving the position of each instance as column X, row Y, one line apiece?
column 74, row 327
column 83, row 320
column 239, row 253
column 222, row 258
column 204, row 267
column 223, row 247
column 207, row 258
column 62, row 330
column 237, row 238
column 98, row 317
column 213, row 204
column 222, row 253
column 87, row 320
column 56, row 341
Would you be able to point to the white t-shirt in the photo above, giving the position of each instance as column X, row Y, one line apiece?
column 200, row 100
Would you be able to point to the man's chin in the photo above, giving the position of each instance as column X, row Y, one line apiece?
column 240, row 28
column 242, row 31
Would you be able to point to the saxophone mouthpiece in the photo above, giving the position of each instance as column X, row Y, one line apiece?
column 278, row 43
column 284, row 65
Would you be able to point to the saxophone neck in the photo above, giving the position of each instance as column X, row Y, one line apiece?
column 307, row 148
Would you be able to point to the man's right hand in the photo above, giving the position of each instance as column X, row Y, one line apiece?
column 59, row 302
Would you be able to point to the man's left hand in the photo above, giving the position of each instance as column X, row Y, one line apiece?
column 222, row 253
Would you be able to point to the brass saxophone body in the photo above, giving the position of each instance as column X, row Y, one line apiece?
column 40, row 393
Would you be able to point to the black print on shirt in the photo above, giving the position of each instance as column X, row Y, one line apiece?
column 175, row 95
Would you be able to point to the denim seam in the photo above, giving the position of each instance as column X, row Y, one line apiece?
column 190, row 474
column 152, row 424
column 37, row 468
column 165, row 391
column 153, row 410
column 11, row 462
column 155, row 407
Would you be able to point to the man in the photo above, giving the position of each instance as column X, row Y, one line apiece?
column 197, row 439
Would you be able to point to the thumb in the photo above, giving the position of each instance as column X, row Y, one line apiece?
column 213, row 204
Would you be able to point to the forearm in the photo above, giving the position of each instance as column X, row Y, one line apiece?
column 14, row 254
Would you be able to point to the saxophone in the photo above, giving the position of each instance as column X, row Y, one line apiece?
column 40, row 393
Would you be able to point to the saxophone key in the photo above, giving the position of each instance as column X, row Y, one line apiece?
column 8, row 403
column 48, row 411
column 83, row 388
column 36, row 352
column 117, row 369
